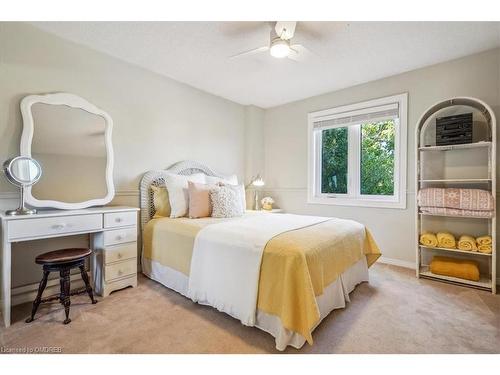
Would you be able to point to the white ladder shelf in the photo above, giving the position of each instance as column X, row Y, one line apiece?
column 471, row 165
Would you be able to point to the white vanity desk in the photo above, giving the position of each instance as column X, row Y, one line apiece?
column 113, row 231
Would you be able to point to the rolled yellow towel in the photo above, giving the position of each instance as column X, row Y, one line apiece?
column 467, row 243
column 446, row 240
column 428, row 239
column 486, row 249
column 484, row 240
column 462, row 268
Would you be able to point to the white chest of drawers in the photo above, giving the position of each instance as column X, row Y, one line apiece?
column 113, row 238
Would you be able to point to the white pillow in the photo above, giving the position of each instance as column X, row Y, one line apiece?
column 178, row 194
column 226, row 201
column 243, row 196
column 231, row 180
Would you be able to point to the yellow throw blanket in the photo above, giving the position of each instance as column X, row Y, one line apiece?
column 296, row 266
column 461, row 268
column 467, row 243
column 446, row 240
column 428, row 239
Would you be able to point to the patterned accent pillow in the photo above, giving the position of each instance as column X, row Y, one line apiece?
column 226, row 201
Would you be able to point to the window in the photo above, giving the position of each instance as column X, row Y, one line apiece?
column 358, row 154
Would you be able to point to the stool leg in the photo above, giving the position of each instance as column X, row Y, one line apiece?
column 85, row 278
column 65, row 293
column 38, row 298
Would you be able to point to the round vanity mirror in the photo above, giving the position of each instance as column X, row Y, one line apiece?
column 22, row 171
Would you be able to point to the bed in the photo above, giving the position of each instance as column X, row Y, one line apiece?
column 281, row 273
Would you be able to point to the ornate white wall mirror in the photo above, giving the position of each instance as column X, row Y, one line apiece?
column 71, row 139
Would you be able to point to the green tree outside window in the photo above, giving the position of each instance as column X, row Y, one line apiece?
column 377, row 159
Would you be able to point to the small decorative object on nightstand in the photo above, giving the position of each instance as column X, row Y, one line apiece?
column 267, row 203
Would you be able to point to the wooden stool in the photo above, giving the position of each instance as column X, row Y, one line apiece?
column 63, row 261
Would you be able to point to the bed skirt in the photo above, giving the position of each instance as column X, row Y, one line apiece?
column 334, row 297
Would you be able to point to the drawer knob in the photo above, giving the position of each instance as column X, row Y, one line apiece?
column 58, row 226
column 119, row 255
column 118, row 220
column 120, row 272
column 119, row 237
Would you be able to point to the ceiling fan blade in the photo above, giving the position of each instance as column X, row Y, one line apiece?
column 300, row 53
column 285, row 29
column 250, row 52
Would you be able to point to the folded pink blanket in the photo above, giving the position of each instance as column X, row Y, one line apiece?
column 462, row 199
column 455, row 212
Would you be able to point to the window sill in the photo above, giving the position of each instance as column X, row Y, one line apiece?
column 358, row 202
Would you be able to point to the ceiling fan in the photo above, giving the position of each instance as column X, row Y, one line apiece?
column 280, row 45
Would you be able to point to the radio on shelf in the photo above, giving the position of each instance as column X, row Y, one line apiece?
column 452, row 130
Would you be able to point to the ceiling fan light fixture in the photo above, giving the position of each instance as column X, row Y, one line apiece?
column 280, row 48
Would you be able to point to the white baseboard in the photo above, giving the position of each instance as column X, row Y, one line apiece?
column 397, row 262
column 27, row 293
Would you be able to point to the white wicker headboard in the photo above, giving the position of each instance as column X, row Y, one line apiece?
column 157, row 178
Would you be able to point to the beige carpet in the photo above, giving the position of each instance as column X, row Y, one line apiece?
column 394, row 313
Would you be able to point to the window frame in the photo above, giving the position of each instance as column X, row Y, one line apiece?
column 354, row 196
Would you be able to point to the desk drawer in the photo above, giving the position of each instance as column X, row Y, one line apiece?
column 120, row 252
column 118, row 236
column 120, row 219
column 122, row 269
column 53, row 226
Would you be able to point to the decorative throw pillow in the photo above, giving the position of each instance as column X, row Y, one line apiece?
column 231, row 181
column 178, row 195
column 226, row 201
column 240, row 190
column 199, row 200
column 160, row 201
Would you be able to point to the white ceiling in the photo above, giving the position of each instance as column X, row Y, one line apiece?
column 348, row 53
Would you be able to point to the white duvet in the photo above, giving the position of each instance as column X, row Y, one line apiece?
column 226, row 260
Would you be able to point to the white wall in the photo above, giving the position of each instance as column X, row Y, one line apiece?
column 285, row 140
column 157, row 121
column 254, row 145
